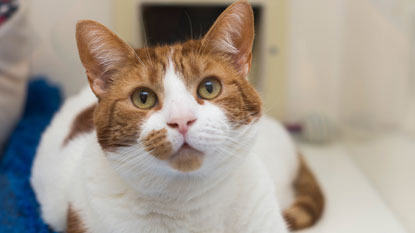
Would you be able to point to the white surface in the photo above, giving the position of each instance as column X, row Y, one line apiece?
column 353, row 205
column 388, row 161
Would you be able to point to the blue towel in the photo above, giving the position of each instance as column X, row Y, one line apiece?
column 19, row 210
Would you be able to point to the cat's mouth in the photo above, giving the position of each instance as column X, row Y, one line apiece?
column 186, row 159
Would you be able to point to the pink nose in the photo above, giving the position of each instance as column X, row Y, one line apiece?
column 182, row 123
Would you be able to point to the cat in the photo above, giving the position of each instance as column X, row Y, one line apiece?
column 171, row 139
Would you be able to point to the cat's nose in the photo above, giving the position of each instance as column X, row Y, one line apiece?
column 182, row 123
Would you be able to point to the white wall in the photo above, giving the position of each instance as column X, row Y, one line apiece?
column 349, row 60
column 314, row 58
column 376, row 65
column 56, row 55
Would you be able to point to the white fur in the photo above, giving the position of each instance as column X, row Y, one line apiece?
column 54, row 165
column 131, row 191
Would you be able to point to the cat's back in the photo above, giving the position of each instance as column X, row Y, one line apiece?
column 66, row 121
column 59, row 151
column 277, row 150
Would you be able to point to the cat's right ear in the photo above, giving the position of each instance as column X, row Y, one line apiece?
column 102, row 53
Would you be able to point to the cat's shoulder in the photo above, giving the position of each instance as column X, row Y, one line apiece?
column 74, row 117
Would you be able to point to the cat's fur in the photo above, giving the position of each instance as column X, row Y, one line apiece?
column 105, row 165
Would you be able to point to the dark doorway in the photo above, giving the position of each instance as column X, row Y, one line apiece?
column 167, row 24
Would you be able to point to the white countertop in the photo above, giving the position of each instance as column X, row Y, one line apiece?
column 353, row 203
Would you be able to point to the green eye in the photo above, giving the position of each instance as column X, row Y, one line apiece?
column 209, row 88
column 144, row 98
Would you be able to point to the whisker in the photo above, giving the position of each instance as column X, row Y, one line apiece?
column 190, row 24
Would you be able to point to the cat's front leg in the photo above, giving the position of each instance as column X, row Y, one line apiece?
column 258, row 205
column 266, row 217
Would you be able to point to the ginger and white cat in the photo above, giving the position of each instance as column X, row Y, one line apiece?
column 171, row 139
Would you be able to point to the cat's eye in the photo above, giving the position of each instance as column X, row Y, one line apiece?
column 209, row 88
column 144, row 98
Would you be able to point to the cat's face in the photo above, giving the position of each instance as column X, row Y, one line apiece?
column 180, row 108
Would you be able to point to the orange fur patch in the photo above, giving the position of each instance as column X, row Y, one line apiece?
column 118, row 120
column 157, row 144
column 74, row 222
column 83, row 123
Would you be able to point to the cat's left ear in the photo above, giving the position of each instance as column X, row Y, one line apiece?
column 102, row 53
column 233, row 34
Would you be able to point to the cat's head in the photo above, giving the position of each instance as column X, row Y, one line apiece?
column 179, row 108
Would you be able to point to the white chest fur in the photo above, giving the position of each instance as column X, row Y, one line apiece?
column 242, row 202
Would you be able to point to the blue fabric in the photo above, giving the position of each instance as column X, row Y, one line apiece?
column 19, row 211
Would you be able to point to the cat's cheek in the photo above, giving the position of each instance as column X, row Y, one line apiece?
column 208, row 137
column 205, row 143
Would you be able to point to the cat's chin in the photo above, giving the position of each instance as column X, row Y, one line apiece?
column 186, row 159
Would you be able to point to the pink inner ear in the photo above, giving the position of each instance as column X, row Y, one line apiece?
column 233, row 33
column 99, row 87
column 244, row 64
column 101, row 51
column 245, row 70
column 96, row 84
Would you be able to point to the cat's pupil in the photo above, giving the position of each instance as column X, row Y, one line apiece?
column 143, row 97
column 209, row 86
